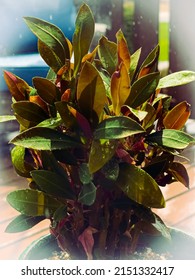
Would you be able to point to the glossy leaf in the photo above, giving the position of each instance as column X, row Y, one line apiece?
column 83, row 35
column 51, row 75
column 43, row 138
column 101, row 152
column 170, row 138
column 18, row 87
column 180, row 173
column 177, row 117
column 117, row 128
column 33, row 203
column 51, row 122
column 51, row 36
column 108, row 54
column 22, row 223
column 176, row 79
column 7, row 118
column 18, row 160
column 49, row 56
column 84, row 174
column 122, row 50
column 29, row 111
column 139, row 114
column 47, row 90
column 140, row 186
column 134, row 62
column 53, row 183
column 91, row 93
column 120, row 88
column 150, row 63
column 142, row 89
column 87, row 195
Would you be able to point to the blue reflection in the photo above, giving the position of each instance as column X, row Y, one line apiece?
column 15, row 36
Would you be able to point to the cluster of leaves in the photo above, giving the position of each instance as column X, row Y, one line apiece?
column 97, row 139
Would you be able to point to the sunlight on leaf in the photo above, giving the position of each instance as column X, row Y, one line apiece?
column 83, row 35
column 33, row 202
column 7, row 118
column 117, row 128
column 176, row 79
column 101, row 152
column 178, row 116
column 140, row 186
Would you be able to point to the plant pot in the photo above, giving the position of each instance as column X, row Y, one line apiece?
column 180, row 247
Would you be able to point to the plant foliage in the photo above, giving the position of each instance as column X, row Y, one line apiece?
column 97, row 140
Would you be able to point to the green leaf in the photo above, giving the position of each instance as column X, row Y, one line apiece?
column 7, row 118
column 51, row 122
column 87, row 195
column 47, row 90
column 43, row 138
column 84, row 174
column 108, row 54
column 49, row 56
column 33, row 203
column 139, row 114
column 142, row 89
column 51, row 75
column 101, row 152
column 140, row 186
column 52, row 183
column 18, row 160
column 176, row 79
column 170, row 138
column 29, row 111
column 117, row 128
column 51, row 36
column 134, row 62
column 22, row 223
column 180, row 173
column 60, row 213
column 91, row 93
column 83, row 35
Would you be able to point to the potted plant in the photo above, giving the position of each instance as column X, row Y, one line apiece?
column 97, row 138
